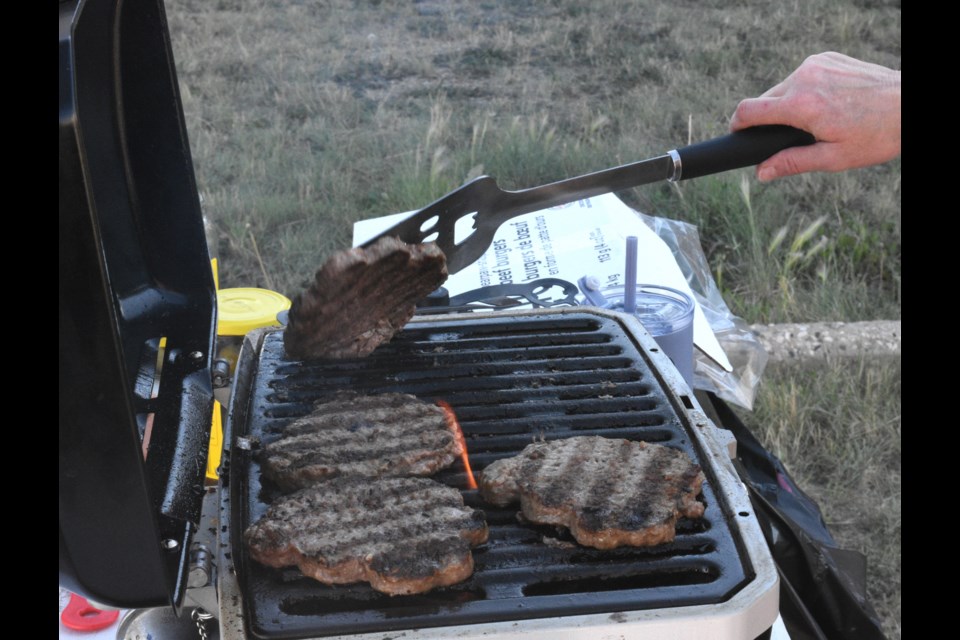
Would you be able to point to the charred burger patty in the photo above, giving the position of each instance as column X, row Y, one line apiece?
column 608, row 492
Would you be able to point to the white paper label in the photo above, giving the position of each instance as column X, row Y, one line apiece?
column 583, row 238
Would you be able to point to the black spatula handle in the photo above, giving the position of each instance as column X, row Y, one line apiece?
column 744, row 148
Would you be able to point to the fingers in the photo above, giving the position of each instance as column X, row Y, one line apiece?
column 789, row 162
column 757, row 111
column 777, row 90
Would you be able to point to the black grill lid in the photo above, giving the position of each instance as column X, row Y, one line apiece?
column 134, row 273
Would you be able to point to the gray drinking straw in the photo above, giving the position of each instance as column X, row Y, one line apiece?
column 630, row 277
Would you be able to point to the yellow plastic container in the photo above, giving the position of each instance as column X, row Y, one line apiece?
column 239, row 311
column 242, row 310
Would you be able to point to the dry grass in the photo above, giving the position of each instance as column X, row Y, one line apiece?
column 846, row 454
column 306, row 116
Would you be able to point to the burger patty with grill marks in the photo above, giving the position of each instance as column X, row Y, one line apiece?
column 402, row 535
column 391, row 434
column 608, row 492
column 360, row 298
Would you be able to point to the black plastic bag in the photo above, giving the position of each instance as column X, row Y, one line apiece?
column 823, row 587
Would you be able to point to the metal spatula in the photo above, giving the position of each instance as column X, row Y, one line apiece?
column 491, row 206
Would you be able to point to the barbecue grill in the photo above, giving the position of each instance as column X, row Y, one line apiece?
column 511, row 378
column 137, row 319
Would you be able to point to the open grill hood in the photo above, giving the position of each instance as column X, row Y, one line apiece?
column 136, row 296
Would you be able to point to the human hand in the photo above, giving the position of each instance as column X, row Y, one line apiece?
column 851, row 107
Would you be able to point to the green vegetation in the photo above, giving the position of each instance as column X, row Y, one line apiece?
column 307, row 116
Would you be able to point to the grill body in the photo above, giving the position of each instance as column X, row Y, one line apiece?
column 511, row 379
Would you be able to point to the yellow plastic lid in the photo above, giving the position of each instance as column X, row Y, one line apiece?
column 242, row 310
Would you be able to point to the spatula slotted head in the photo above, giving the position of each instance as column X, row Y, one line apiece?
column 438, row 223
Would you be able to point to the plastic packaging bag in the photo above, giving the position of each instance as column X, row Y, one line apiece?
column 743, row 349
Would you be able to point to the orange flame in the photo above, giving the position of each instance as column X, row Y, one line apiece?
column 454, row 426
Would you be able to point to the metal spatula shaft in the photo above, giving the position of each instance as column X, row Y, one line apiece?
column 492, row 206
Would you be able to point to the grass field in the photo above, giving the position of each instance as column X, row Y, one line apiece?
column 306, row 116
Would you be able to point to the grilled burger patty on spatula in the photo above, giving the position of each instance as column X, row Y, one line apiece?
column 360, row 298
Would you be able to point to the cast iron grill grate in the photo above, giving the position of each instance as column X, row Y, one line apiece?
column 510, row 380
